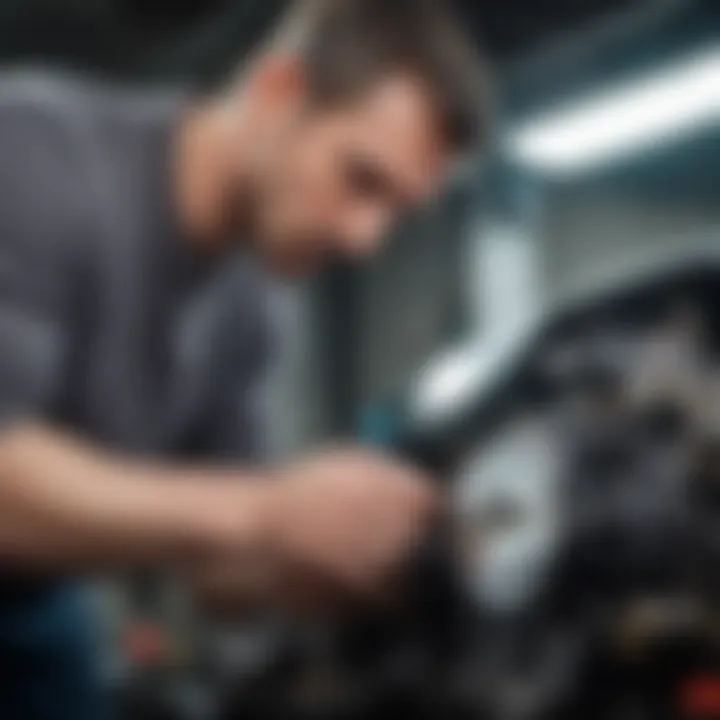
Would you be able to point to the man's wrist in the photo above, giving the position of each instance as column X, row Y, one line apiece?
column 227, row 519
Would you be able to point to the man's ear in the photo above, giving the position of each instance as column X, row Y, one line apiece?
column 278, row 80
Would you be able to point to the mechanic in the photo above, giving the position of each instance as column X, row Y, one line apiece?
column 137, row 238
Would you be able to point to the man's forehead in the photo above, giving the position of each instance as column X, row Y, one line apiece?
column 399, row 124
column 404, row 106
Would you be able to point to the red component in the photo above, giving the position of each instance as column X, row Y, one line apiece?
column 700, row 696
column 145, row 643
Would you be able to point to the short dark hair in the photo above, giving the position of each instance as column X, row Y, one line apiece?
column 347, row 45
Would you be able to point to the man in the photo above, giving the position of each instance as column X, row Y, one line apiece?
column 132, row 339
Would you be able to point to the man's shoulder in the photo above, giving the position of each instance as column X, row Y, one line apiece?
column 74, row 104
column 43, row 122
column 42, row 98
column 26, row 84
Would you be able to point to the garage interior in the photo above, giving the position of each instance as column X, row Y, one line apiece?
column 535, row 286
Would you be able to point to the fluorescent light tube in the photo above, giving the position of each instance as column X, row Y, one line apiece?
column 615, row 123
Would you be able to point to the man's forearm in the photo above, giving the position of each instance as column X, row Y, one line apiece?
column 67, row 507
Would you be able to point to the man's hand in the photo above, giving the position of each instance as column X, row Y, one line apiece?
column 335, row 527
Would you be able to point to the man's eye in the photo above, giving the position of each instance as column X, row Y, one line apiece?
column 365, row 181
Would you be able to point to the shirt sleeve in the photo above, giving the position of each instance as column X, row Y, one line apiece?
column 38, row 217
column 247, row 431
column 241, row 428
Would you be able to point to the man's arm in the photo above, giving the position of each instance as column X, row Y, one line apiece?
column 312, row 532
column 67, row 507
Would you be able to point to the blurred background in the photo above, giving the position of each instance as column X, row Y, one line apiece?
column 545, row 337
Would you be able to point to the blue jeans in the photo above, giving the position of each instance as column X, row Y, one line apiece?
column 48, row 657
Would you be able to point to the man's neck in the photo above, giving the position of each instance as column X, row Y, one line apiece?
column 205, row 176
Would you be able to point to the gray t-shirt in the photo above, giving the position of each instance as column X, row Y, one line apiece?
column 110, row 325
